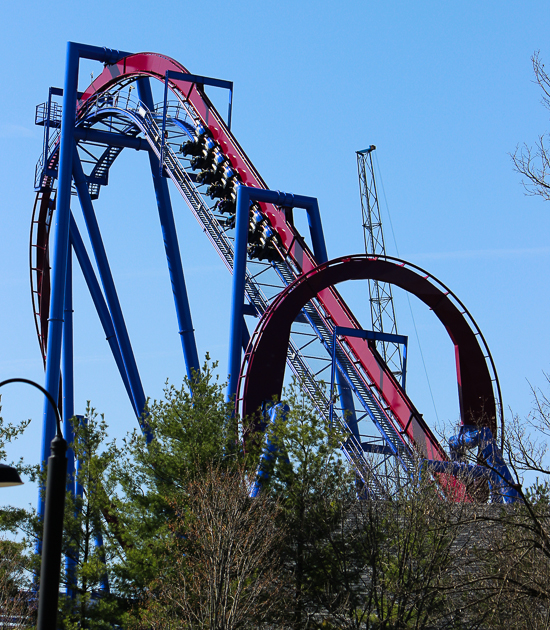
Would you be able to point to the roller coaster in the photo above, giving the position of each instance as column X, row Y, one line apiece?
column 303, row 322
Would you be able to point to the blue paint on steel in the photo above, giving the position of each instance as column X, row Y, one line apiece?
column 100, row 305
column 404, row 368
column 250, row 309
column 100, row 548
column 192, row 78
column 340, row 372
column 78, row 487
column 348, row 405
column 230, row 107
column 61, row 244
column 376, row 448
column 503, row 489
column 336, row 370
column 78, row 493
column 237, row 296
column 107, row 56
column 60, row 254
column 311, row 205
column 246, row 335
column 353, row 427
column 185, row 126
column 146, row 92
column 501, row 483
column 173, row 256
column 270, row 449
column 68, row 403
column 68, row 368
column 245, row 195
column 371, row 334
column 334, row 373
column 110, row 292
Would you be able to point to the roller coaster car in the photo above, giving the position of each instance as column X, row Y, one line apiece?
column 256, row 222
column 224, row 187
column 226, row 206
column 262, row 239
column 191, row 147
column 201, row 145
column 201, row 130
column 269, row 254
column 228, row 223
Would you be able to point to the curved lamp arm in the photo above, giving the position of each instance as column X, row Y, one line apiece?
column 52, row 538
column 45, row 392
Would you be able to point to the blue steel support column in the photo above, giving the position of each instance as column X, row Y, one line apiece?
column 246, row 335
column 60, row 252
column 68, row 400
column 237, row 294
column 344, row 391
column 348, row 405
column 229, row 108
column 109, row 288
column 171, row 246
column 320, row 251
column 78, row 493
column 100, row 306
column 100, row 547
column 61, row 243
column 245, row 195
column 68, row 371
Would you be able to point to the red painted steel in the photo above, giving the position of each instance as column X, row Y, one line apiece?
column 267, row 352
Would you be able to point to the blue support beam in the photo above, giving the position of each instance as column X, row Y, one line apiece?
column 68, row 401
column 271, row 449
column 100, row 306
column 61, row 238
column 501, row 483
column 171, row 247
column 245, row 195
column 78, row 493
column 110, row 291
column 100, row 548
column 68, row 367
column 335, row 373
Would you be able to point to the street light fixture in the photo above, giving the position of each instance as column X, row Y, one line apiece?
column 9, row 476
column 52, row 538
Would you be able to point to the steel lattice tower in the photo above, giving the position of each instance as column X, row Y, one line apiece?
column 381, row 300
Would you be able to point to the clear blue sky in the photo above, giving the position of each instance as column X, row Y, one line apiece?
column 443, row 89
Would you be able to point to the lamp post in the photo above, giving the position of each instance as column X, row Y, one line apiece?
column 52, row 538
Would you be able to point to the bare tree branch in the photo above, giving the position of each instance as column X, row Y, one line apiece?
column 534, row 164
